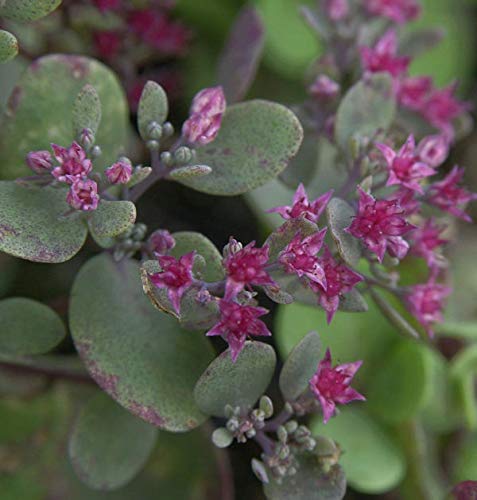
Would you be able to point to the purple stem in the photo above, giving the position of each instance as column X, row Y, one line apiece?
column 265, row 442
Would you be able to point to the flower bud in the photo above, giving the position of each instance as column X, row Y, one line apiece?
column 96, row 152
column 153, row 145
column 167, row 129
column 39, row 161
column 83, row 195
column 433, row 150
column 183, row 155
column 166, row 158
column 337, row 10
column 86, row 138
column 324, row 88
column 154, row 131
column 161, row 241
column 120, row 172
column 282, row 434
column 232, row 247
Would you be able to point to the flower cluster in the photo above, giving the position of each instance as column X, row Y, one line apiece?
column 72, row 166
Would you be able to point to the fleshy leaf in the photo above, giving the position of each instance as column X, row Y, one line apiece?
column 463, row 372
column 241, row 56
column 310, row 482
column 367, row 107
column 417, row 42
column 86, row 110
column 353, row 301
column 153, row 107
column 28, row 327
column 464, row 329
column 108, row 446
column 371, row 461
column 340, row 215
column 256, row 141
column 237, row 384
column 8, row 46
column 189, row 171
column 31, row 225
column 39, row 111
column 300, row 366
column 404, row 385
column 112, row 218
column 139, row 356
column 139, row 175
column 27, row 10
column 222, row 438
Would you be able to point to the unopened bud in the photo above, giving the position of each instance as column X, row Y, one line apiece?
column 161, row 241
column 282, row 434
column 167, row 129
column 86, row 138
column 154, row 131
column 166, row 158
column 153, row 145
column 39, row 161
column 232, row 247
column 96, row 152
column 183, row 155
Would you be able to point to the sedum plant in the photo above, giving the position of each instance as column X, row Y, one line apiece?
column 145, row 310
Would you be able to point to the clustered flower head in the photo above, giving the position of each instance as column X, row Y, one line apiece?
column 331, row 385
column 205, row 118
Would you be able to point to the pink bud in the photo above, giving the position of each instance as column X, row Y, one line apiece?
column 433, row 150
column 73, row 163
column 83, row 195
column 337, row 9
column 39, row 161
column 119, row 173
column 205, row 118
column 324, row 88
column 161, row 241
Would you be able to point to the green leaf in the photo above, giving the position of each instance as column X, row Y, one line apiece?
column 371, row 461
column 108, row 446
column 86, row 110
column 112, row 218
column 241, row 56
column 222, row 438
column 153, row 107
column 463, row 372
column 237, row 384
column 367, row 107
column 353, row 301
column 465, row 330
column 340, row 215
column 28, row 327
column 139, row 356
column 465, row 464
column 310, row 482
column 189, row 171
column 300, row 366
column 8, row 46
column 28, row 10
column 39, row 111
column 139, row 174
column 404, row 385
column 31, row 225
column 256, row 141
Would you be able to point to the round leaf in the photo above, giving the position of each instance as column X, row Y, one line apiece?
column 28, row 327
column 40, row 108
column 340, row 215
column 404, row 385
column 112, row 218
column 256, row 141
column 300, row 366
column 309, row 483
column 367, row 107
column 236, row 384
column 8, row 46
column 222, row 438
column 139, row 356
column 153, row 107
column 108, row 445
column 27, row 10
column 31, row 225
column 371, row 461
column 86, row 110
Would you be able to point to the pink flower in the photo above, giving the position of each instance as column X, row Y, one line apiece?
column 337, row 9
column 161, row 241
column 104, row 5
column 399, row 11
column 324, row 87
column 236, row 323
column 205, row 117
column 425, row 240
column 406, row 198
column 441, row 108
column 339, row 279
column 73, row 164
column 119, row 172
column 426, row 302
column 300, row 257
column 176, row 277
column 413, row 91
column 83, row 195
column 107, row 44
column 405, row 167
column 383, row 56
column 380, row 225
column 246, row 267
column 433, row 150
column 331, row 386
column 302, row 207
column 39, row 161
column 449, row 196
column 467, row 490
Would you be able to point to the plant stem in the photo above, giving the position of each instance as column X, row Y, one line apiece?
column 280, row 419
column 265, row 442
